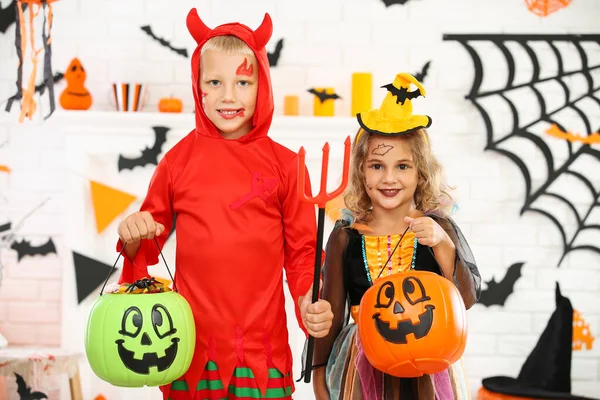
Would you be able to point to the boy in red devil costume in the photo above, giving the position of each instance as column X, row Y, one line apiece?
column 239, row 221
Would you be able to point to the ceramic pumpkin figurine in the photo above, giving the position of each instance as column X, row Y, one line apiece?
column 140, row 337
column 170, row 104
column 75, row 96
column 412, row 323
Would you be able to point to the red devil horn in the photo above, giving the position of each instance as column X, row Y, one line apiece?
column 196, row 27
column 263, row 33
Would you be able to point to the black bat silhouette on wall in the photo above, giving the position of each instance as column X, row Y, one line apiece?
column 322, row 95
column 402, row 94
column 25, row 392
column 392, row 2
column 5, row 227
column 149, row 154
column 420, row 76
column 8, row 16
column 498, row 292
column 274, row 56
column 24, row 248
column 165, row 43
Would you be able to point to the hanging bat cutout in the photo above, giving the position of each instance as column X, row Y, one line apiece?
column 8, row 16
column 392, row 2
column 41, row 88
column 25, row 392
column 274, row 56
column 24, row 248
column 324, row 96
column 5, row 227
column 402, row 94
column 165, row 43
column 498, row 292
column 149, row 154
column 420, row 76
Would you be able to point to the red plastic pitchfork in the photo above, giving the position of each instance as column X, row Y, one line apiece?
column 321, row 201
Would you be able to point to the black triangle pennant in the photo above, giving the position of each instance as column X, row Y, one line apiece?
column 89, row 275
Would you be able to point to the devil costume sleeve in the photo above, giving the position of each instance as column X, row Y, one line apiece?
column 240, row 223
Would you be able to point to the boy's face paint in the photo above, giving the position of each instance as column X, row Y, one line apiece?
column 229, row 86
column 391, row 174
column 243, row 69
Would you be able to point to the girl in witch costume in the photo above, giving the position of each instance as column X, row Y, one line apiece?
column 240, row 223
column 396, row 186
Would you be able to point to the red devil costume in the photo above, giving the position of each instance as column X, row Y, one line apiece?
column 236, row 229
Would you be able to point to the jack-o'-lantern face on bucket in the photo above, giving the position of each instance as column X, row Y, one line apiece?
column 147, row 338
column 390, row 319
column 412, row 323
column 144, row 339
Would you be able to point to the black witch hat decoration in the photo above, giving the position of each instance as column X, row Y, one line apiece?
column 546, row 374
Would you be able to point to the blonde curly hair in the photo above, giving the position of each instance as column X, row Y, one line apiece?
column 432, row 194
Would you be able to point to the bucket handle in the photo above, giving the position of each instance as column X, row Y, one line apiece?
column 123, row 249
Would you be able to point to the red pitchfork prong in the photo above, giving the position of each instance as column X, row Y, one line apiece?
column 321, row 200
column 323, row 197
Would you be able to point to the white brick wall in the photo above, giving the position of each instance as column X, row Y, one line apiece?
column 324, row 42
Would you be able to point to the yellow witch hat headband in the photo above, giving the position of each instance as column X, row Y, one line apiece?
column 395, row 116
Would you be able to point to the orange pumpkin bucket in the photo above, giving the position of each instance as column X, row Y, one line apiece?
column 412, row 323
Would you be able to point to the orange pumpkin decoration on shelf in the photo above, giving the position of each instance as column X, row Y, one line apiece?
column 75, row 96
column 170, row 104
column 412, row 323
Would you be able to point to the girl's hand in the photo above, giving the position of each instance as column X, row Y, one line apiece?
column 427, row 231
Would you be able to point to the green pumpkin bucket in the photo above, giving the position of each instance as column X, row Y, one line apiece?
column 141, row 335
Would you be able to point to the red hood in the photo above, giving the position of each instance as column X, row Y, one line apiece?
column 256, row 40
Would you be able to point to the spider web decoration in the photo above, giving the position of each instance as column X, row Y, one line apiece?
column 538, row 81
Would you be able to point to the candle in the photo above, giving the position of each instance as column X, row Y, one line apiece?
column 323, row 108
column 291, row 105
column 362, row 89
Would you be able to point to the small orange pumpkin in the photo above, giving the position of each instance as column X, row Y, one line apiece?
column 412, row 323
column 170, row 104
column 75, row 96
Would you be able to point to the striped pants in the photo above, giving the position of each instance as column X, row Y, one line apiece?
column 242, row 386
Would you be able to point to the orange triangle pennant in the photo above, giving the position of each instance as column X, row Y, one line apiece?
column 4, row 168
column 108, row 203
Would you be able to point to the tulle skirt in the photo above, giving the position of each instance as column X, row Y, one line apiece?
column 350, row 377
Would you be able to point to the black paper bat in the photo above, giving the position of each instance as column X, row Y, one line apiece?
column 5, row 227
column 167, row 44
column 420, row 76
column 402, row 94
column 498, row 292
column 392, row 2
column 24, row 391
column 8, row 16
column 322, row 95
column 149, row 154
column 274, row 56
column 24, row 248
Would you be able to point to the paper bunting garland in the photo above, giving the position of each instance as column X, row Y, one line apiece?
column 108, row 203
column 89, row 275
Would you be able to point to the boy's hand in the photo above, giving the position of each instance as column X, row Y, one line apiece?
column 427, row 231
column 139, row 225
column 317, row 317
